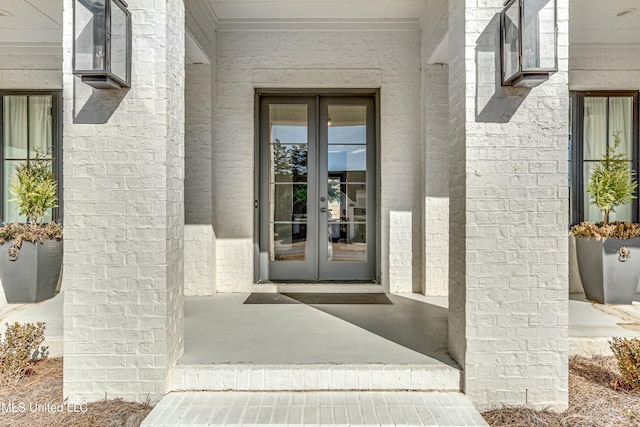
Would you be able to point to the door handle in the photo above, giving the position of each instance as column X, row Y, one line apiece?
column 323, row 209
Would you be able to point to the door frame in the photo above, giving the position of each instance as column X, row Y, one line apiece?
column 284, row 92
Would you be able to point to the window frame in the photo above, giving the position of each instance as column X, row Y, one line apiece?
column 577, row 148
column 56, row 144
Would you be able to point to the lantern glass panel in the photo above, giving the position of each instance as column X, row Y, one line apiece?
column 119, row 43
column 539, row 35
column 511, row 41
column 90, row 37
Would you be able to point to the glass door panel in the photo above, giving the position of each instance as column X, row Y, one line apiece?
column 316, row 207
column 346, row 207
column 288, row 245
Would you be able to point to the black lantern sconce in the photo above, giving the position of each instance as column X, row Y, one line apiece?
column 528, row 42
column 102, row 43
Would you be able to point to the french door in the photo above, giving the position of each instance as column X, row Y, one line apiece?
column 317, row 188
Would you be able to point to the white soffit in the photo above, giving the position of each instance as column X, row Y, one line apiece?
column 31, row 24
column 317, row 14
column 595, row 23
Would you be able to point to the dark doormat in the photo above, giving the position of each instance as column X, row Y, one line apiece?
column 317, row 298
column 269, row 298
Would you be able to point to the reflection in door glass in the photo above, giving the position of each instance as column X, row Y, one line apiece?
column 289, row 241
column 288, row 182
column 346, row 186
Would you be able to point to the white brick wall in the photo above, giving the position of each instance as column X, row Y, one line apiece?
column 457, row 183
column 435, row 157
column 199, row 260
column 175, row 177
column 509, row 268
column 199, row 242
column 435, row 153
column 604, row 69
column 197, row 139
column 200, row 239
column 314, row 59
column 27, row 70
column 124, row 216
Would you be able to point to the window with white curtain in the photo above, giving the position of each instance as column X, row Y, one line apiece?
column 31, row 123
column 597, row 117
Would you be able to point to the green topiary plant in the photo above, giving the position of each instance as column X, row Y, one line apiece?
column 612, row 182
column 35, row 188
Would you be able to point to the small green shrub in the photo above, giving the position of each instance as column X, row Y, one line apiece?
column 35, row 188
column 20, row 348
column 612, row 182
column 627, row 353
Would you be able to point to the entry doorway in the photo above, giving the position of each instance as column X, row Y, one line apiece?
column 317, row 186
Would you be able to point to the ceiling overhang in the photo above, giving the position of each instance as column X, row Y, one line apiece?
column 35, row 26
column 316, row 15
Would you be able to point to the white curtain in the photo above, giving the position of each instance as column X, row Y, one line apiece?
column 40, row 124
column 621, row 123
column 596, row 135
column 27, row 127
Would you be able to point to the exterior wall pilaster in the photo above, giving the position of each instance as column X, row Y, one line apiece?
column 508, row 316
column 124, row 215
column 434, row 114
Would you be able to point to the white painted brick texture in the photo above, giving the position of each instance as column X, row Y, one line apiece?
column 124, row 216
column 435, row 157
column 457, row 167
column 509, row 263
column 199, row 241
column 197, row 140
column 175, row 177
column 314, row 59
column 434, row 104
column 199, row 260
column 604, row 69
column 27, row 70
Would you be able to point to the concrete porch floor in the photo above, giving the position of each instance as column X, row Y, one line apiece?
column 266, row 329
column 412, row 330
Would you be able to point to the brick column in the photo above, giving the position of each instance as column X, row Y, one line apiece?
column 508, row 316
column 124, row 215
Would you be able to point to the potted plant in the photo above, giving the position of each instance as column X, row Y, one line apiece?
column 608, row 253
column 31, row 266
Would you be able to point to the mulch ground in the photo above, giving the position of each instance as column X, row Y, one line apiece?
column 37, row 401
column 597, row 397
